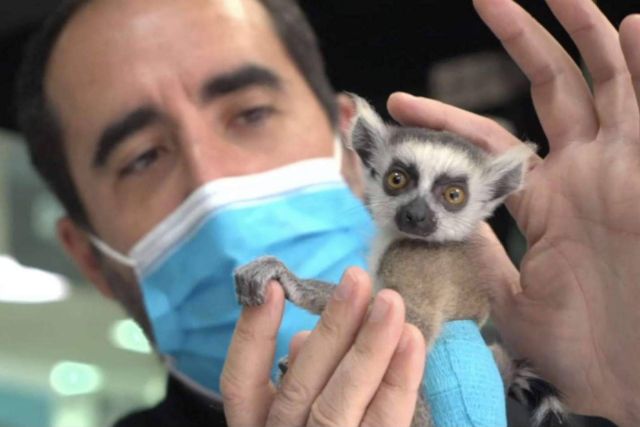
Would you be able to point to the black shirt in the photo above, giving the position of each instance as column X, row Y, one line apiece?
column 181, row 407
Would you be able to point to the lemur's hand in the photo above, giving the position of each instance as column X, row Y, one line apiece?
column 251, row 280
column 353, row 369
column 575, row 309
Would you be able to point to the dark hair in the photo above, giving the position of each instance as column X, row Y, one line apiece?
column 43, row 131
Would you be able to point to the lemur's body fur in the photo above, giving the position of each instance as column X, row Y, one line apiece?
column 434, row 287
column 428, row 192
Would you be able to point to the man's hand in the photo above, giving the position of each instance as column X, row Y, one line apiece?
column 356, row 368
column 574, row 311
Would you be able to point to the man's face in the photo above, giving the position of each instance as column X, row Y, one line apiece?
column 155, row 98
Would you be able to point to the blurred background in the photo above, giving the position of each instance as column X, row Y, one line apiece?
column 68, row 357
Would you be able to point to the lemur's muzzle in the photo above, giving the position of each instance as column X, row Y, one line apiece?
column 416, row 217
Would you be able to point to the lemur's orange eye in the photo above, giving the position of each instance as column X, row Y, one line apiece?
column 397, row 180
column 454, row 195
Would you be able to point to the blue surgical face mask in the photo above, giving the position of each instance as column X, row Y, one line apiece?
column 302, row 213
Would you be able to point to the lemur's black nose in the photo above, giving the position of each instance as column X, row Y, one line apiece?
column 416, row 217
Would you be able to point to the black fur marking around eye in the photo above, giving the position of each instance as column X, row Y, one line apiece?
column 409, row 169
column 445, row 179
column 440, row 185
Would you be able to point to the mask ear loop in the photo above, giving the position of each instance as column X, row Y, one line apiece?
column 111, row 253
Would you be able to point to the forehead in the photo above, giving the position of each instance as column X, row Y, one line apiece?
column 116, row 54
column 434, row 154
column 449, row 144
column 118, row 27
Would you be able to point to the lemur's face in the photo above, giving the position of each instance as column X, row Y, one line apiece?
column 430, row 185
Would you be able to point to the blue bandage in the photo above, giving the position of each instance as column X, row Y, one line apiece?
column 462, row 383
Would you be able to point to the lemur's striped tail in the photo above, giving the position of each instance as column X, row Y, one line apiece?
column 541, row 398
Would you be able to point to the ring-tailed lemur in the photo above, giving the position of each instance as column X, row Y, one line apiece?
column 428, row 192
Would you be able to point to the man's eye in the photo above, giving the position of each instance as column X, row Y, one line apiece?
column 255, row 116
column 141, row 162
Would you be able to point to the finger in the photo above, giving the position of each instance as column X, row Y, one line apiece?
column 294, row 348
column 496, row 270
column 599, row 44
column 323, row 350
column 414, row 111
column 395, row 401
column 347, row 395
column 296, row 344
column 560, row 94
column 245, row 383
column 630, row 41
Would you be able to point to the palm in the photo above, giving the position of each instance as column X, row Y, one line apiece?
column 573, row 308
column 579, row 219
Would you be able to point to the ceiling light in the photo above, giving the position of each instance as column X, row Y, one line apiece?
column 127, row 335
column 71, row 378
column 24, row 285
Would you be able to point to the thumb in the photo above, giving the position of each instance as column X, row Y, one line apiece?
column 498, row 273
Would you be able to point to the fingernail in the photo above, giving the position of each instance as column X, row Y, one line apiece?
column 345, row 288
column 380, row 309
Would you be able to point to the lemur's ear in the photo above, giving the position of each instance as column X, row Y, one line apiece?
column 507, row 171
column 368, row 131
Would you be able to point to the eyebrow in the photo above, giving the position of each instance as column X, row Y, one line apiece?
column 239, row 79
column 117, row 132
column 215, row 87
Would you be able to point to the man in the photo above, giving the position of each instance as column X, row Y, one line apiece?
column 151, row 101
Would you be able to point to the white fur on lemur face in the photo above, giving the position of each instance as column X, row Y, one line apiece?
column 428, row 184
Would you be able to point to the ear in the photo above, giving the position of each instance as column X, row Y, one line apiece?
column 368, row 131
column 347, row 111
column 76, row 243
column 351, row 165
column 507, row 171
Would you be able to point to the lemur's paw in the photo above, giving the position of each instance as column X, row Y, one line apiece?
column 252, row 279
column 283, row 366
